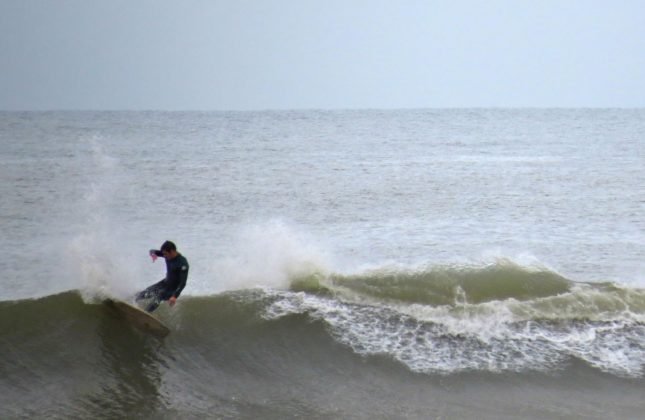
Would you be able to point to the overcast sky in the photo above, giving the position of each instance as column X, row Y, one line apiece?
column 293, row 54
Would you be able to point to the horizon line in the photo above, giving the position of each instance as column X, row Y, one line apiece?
column 314, row 109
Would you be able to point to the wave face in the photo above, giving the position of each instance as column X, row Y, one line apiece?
column 497, row 318
column 398, row 327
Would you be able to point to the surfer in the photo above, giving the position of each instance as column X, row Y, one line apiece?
column 176, row 275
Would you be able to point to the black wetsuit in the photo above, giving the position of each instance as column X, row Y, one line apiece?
column 172, row 285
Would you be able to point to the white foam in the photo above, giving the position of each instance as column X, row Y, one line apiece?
column 267, row 254
column 100, row 255
column 486, row 338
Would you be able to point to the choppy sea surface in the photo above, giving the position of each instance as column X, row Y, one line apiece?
column 476, row 263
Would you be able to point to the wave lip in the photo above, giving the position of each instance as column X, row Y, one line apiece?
column 454, row 284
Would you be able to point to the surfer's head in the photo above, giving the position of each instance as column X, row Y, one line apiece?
column 168, row 249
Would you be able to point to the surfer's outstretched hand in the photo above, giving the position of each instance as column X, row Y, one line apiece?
column 172, row 301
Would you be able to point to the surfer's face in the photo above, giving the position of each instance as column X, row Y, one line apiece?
column 169, row 255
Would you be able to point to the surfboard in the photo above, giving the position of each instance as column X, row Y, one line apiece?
column 138, row 317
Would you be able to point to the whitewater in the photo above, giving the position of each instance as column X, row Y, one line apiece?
column 473, row 263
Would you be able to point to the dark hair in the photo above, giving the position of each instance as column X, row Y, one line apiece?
column 168, row 246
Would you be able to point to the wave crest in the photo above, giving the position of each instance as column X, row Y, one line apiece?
column 442, row 285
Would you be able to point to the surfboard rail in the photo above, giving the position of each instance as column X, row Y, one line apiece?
column 138, row 317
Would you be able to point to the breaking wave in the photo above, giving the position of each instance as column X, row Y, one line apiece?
column 443, row 320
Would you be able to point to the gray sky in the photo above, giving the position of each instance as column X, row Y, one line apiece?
column 262, row 54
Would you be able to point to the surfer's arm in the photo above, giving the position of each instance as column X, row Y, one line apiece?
column 181, row 273
column 154, row 254
column 183, row 276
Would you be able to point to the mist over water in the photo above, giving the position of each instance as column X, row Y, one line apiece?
column 445, row 242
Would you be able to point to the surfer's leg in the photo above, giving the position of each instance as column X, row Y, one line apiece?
column 162, row 295
column 151, row 292
column 154, row 304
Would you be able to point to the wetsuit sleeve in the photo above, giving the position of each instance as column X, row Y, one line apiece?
column 156, row 252
column 183, row 276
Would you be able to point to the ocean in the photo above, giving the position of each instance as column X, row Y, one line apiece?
column 356, row 264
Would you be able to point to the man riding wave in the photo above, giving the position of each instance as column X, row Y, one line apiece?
column 176, row 275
